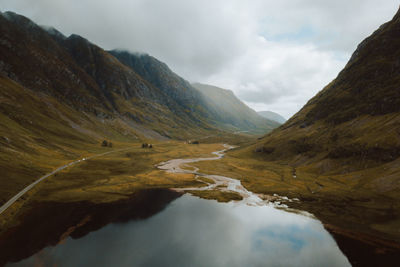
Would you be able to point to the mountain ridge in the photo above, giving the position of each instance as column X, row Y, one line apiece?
column 223, row 103
column 102, row 83
column 193, row 98
column 272, row 116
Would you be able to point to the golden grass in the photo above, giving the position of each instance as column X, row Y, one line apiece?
column 115, row 175
column 366, row 200
column 119, row 174
column 220, row 196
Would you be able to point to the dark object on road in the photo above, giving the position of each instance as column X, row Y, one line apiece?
column 104, row 143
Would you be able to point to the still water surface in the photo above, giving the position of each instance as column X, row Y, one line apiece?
column 197, row 232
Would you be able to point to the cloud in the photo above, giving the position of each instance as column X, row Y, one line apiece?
column 273, row 54
column 279, row 76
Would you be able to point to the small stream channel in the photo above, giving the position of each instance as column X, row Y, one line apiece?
column 221, row 183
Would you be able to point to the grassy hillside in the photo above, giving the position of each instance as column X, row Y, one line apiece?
column 38, row 133
column 353, row 123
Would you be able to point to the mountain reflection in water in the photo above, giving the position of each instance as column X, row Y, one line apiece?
column 197, row 232
column 49, row 223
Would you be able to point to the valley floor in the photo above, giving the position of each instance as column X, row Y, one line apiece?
column 349, row 213
column 106, row 178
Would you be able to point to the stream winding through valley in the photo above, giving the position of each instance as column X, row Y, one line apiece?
column 221, row 183
column 160, row 227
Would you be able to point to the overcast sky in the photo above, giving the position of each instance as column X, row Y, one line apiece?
column 275, row 55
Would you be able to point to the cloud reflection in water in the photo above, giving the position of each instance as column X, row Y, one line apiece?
column 197, row 232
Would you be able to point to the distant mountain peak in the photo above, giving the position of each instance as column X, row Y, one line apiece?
column 54, row 32
column 228, row 107
column 78, row 37
column 272, row 116
column 19, row 19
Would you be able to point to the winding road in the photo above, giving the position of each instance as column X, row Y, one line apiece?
column 29, row 187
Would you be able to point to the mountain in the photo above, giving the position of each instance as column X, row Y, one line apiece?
column 341, row 151
column 110, row 85
column 272, row 116
column 354, row 122
column 62, row 96
column 227, row 108
column 221, row 108
column 88, row 79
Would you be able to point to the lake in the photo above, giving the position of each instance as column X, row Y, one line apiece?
column 177, row 230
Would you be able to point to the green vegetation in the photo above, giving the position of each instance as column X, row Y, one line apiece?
column 206, row 180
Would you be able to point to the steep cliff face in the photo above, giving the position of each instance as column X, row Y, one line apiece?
column 354, row 122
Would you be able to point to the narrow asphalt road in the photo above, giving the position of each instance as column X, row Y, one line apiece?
column 29, row 187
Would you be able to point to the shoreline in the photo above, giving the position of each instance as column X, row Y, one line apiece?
column 369, row 244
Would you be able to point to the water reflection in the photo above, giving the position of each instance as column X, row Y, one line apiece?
column 197, row 232
column 48, row 224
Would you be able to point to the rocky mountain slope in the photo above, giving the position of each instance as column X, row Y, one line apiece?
column 272, row 116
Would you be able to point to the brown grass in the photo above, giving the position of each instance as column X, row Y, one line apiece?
column 220, row 196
